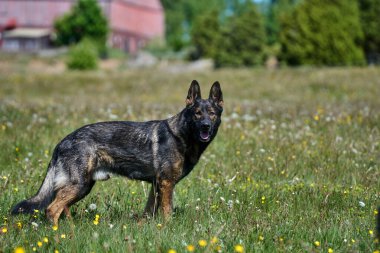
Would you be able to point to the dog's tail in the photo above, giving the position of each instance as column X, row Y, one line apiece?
column 42, row 199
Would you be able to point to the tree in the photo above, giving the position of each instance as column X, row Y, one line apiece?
column 322, row 32
column 205, row 35
column 370, row 22
column 85, row 20
column 180, row 16
column 242, row 40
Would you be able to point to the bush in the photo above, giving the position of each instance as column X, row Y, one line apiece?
column 83, row 56
column 370, row 20
column 85, row 20
column 205, row 35
column 323, row 32
column 242, row 41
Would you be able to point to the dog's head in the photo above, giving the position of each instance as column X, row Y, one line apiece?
column 204, row 115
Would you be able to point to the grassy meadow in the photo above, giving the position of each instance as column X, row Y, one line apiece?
column 294, row 168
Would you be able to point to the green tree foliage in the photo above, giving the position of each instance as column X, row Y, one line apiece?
column 276, row 10
column 242, row 40
column 370, row 20
column 180, row 16
column 323, row 32
column 205, row 35
column 85, row 20
column 83, row 56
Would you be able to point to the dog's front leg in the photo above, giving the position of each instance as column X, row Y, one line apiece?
column 166, row 188
column 152, row 203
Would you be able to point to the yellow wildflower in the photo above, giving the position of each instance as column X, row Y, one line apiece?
column 63, row 236
column 159, row 225
column 317, row 243
column 19, row 225
column 202, row 243
column 370, row 232
column 34, row 249
column 261, row 238
column 56, row 251
column 375, row 212
column 19, row 250
column 330, row 250
column 214, row 240
column 4, row 230
column 46, row 240
column 39, row 244
column 239, row 248
column 172, row 251
column 190, row 248
column 55, row 228
column 96, row 222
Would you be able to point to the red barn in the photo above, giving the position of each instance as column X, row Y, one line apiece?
column 132, row 22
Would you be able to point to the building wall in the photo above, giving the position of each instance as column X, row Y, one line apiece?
column 132, row 22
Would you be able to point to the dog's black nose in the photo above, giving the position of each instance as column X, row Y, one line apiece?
column 205, row 125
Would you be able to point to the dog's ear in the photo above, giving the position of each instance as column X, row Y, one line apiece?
column 216, row 94
column 194, row 93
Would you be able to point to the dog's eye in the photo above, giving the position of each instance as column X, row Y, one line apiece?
column 211, row 113
column 198, row 113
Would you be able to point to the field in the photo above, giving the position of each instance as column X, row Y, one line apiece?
column 294, row 168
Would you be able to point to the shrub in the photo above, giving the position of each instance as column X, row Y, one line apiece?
column 370, row 20
column 242, row 41
column 205, row 35
column 85, row 20
column 83, row 56
column 322, row 32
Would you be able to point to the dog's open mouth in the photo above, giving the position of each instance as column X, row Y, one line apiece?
column 205, row 135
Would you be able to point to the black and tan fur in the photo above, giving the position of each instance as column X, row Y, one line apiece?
column 160, row 152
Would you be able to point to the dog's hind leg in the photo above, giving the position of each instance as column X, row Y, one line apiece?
column 65, row 197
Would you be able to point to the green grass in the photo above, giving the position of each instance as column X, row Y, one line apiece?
column 297, row 151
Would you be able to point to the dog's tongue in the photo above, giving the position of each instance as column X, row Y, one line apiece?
column 204, row 135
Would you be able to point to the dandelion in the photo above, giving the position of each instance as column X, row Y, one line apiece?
column 375, row 212
column 55, row 228
column 4, row 230
column 56, row 251
column 63, row 236
column 96, row 220
column 172, row 251
column 34, row 249
column 262, row 199
column 317, row 243
column 370, row 232
column 159, row 225
column 190, row 248
column 46, row 240
column 19, row 250
column 17, row 149
column 214, row 240
column 330, row 250
column 19, row 225
column 239, row 248
column 261, row 238
column 92, row 206
column 39, row 244
column 202, row 243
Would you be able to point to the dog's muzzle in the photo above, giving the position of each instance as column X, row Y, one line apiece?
column 205, row 132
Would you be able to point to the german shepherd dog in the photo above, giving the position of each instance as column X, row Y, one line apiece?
column 160, row 152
